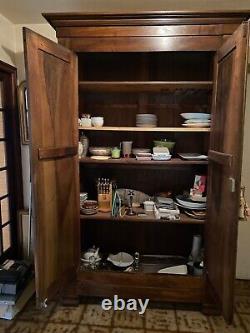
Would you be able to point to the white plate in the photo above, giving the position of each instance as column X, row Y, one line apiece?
column 194, row 121
column 197, row 125
column 180, row 269
column 196, row 115
column 121, row 259
column 193, row 208
column 193, row 156
column 101, row 158
column 191, row 205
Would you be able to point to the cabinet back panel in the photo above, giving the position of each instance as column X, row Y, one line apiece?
column 162, row 66
column 185, row 142
column 147, row 180
column 120, row 109
column 146, row 238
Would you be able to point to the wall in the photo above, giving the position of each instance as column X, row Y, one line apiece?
column 47, row 31
column 243, row 262
column 7, row 41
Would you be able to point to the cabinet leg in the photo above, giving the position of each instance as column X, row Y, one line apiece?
column 70, row 296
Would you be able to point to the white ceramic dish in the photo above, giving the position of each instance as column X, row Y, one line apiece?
column 190, row 204
column 97, row 121
column 121, row 259
column 85, row 122
column 136, row 151
column 180, row 270
column 193, row 121
column 194, row 125
column 193, row 156
column 149, row 206
column 101, row 158
column 196, row 115
column 100, row 151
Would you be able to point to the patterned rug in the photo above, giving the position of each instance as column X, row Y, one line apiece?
column 90, row 318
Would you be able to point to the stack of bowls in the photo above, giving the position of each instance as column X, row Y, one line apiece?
column 89, row 207
column 146, row 120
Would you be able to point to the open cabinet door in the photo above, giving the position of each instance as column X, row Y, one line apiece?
column 53, row 104
column 225, row 168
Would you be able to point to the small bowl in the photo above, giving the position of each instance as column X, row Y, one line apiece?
column 100, row 151
column 97, row 121
column 89, row 204
column 85, row 122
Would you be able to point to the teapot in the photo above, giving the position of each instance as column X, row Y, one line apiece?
column 92, row 254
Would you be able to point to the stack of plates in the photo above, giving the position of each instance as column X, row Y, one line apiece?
column 187, row 203
column 196, row 119
column 146, row 120
column 89, row 207
column 143, row 156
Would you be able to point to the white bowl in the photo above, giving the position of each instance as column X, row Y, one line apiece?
column 121, row 259
column 97, row 121
column 85, row 122
column 196, row 115
column 149, row 206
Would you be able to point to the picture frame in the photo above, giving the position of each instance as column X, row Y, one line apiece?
column 23, row 113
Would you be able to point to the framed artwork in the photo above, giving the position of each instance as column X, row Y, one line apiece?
column 23, row 112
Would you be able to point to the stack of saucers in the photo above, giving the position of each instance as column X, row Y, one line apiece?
column 196, row 119
column 146, row 120
column 89, row 207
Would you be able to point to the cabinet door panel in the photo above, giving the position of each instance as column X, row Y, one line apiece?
column 225, row 167
column 52, row 90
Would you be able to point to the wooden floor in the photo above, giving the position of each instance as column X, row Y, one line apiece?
column 89, row 318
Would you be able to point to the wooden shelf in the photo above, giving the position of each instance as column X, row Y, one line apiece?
column 134, row 161
column 184, row 219
column 145, row 129
column 142, row 86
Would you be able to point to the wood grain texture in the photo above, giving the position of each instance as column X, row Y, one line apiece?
column 154, row 286
column 220, row 158
column 143, row 44
column 226, row 137
column 146, row 129
column 52, row 153
column 148, row 31
column 134, row 161
column 52, row 87
column 142, row 86
column 146, row 18
column 184, row 219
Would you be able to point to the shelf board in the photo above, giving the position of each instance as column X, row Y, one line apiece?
column 134, row 161
column 142, row 86
column 184, row 219
column 146, row 129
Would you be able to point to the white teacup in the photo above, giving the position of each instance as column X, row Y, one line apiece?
column 97, row 121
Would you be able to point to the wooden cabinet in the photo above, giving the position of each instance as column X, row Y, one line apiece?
column 159, row 62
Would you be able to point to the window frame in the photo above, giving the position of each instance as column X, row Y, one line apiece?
column 8, row 75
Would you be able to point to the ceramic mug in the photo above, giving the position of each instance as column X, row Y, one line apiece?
column 127, row 148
